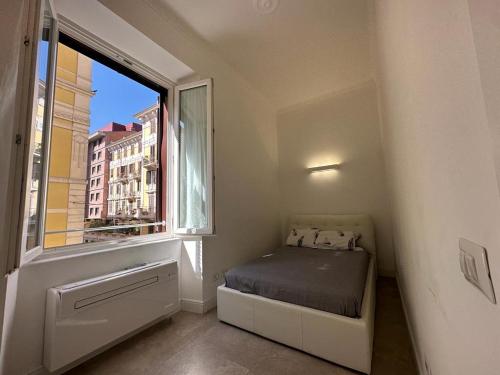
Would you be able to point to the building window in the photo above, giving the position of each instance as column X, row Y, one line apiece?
column 152, row 153
column 192, row 151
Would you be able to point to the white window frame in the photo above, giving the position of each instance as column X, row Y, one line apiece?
column 169, row 179
column 210, row 228
column 22, row 256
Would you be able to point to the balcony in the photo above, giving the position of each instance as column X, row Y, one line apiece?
column 123, row 178
column 151, row 188
column 132, row 196
column 147, row 212
column 134, row 176
column 125, row 214
column 150, row 163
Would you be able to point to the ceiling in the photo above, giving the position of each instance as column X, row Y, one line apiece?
column 299, row 50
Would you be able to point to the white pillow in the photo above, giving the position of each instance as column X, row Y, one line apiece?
column 336, row 240
column 304, row 237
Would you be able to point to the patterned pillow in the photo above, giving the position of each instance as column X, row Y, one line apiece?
column 336, row 240
column 304, row 237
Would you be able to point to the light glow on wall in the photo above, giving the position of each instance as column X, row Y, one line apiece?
column 323, row 166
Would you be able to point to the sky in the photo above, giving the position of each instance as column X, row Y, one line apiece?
column 117, row 97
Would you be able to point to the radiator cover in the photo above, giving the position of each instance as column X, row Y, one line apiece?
column 87, row 315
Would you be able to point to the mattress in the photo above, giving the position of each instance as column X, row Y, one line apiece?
column 327, row 280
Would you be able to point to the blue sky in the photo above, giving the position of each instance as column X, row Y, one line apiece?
column 117, row 98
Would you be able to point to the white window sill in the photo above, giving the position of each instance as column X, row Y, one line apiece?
column 72, row 251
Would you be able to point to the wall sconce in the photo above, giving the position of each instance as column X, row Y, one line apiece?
column 322, row 168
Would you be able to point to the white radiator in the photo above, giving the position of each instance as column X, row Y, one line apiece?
column 85, row 316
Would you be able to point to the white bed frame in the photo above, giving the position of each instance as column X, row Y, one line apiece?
column 336, row 338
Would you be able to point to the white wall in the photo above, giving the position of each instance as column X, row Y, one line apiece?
column 246, row 186
column 485, row 19
column 438, row 150
column 342, row 127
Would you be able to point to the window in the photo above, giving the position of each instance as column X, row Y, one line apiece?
column 152, row 153
column 193, row 118
column 67, row 165
column 43, row 91
column 190, row 135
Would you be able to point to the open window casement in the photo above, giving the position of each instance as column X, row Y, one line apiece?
column 40, row 84
column 193, row 159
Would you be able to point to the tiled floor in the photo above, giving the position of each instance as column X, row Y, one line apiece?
column 200, row 345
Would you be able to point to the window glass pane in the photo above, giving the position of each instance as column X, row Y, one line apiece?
column 37, row 140
column 193, row 205
column 101, row 116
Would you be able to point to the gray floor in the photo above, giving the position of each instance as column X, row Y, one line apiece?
column 201, row 345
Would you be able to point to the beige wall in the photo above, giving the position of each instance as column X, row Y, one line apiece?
column 438, row 150
column 339, row 128
column 485, row 20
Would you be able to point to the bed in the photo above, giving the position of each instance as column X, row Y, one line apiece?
column 335, row 324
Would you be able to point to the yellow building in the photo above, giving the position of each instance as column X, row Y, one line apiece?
column 149, row 120
column 69, row 145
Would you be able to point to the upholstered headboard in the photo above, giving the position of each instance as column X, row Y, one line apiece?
column 357, row 223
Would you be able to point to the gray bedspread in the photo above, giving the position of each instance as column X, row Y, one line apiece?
column 327, row 280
